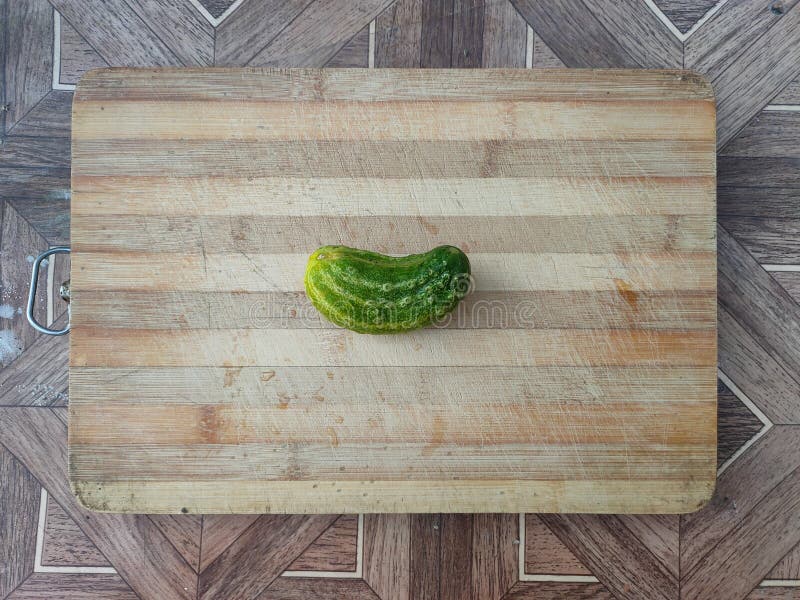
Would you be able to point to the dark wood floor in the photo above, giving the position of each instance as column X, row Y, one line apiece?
column 745, row 544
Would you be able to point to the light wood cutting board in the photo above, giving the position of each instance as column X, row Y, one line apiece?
column 580, row 374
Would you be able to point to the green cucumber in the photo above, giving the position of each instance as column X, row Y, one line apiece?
column 374, row 293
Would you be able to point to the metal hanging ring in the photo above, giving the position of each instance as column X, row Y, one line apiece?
column 32, row 292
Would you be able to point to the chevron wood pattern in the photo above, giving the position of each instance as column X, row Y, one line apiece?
column 744, row 544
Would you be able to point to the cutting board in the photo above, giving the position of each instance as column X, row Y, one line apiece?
column 578, row 375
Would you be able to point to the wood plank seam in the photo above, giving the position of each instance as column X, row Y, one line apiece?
column 371, row 47
column 748, row 525
column 172, row 542
column 215, row 21
column 767, row 424
column 732, row 118
column 151, row 48
column 665, row 19
column 18, row 491
column 37, row 565
column 264, row 57
column 697, row 25
column 358, row 573
column 529, row 47
column 698, row 560
column 543, row 577
column 659, row 559
column 604, row 27
column 627, row 49
column 10, row 132
column 230, row 543
column 57, row 85
column 787, row 583
column 200, row 551
column 589, row 537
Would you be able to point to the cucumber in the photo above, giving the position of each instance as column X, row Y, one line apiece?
column 369, row 292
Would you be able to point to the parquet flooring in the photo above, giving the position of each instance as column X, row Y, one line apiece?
column 744, row 544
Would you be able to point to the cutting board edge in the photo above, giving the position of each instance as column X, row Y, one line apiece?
column 689, row 80
column 135, row 496
column 296, row 497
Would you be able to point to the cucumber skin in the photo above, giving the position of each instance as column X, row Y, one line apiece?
column 369, row 292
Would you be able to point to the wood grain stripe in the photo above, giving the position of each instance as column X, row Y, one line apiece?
column 241, row 271
column 531, row 195
column 390, row 386
column 447, row 347
column 282, row 421
column 398, row 121
column 386, row 461
column 395, row 234
column 391, row 160
column 538, row 309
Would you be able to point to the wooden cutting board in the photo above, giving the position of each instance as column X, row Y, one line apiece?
column 580, row 374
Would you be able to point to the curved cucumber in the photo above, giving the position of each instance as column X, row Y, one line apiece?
column 374, row 293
